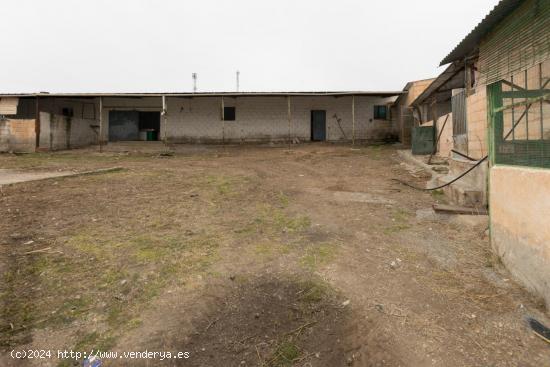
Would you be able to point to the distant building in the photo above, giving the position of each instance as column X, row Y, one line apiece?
column 43, row 121
column 402, row 110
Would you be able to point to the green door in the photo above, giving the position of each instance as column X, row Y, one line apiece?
column 423, row 139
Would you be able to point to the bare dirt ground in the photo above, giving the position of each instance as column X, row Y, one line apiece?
column 251, row 256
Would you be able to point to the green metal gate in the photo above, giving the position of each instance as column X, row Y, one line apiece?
column 423, row 139
column 519, row 113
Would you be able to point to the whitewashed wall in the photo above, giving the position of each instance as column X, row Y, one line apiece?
column 266, row 119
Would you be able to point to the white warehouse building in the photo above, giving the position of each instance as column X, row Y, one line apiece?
column 30, row 122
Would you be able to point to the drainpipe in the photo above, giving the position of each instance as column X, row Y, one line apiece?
column 223, row 122
column 164, row 118
column 353, row 120
column 289, row 117
column 37, row 123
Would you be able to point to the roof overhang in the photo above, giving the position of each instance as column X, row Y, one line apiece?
column 441, row 88
column 469, row 45
column 210, row 94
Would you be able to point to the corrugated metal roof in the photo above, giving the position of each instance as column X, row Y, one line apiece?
column 209, row 94
column 469, row 44
column 438, row 82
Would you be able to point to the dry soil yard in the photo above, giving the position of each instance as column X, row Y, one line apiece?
column 252, row 256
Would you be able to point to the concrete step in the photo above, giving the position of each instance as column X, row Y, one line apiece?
column 477, row 178
column 462, row 193
column 440, row 169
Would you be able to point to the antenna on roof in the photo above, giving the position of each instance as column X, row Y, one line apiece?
column 238, row 74
column 194, row 82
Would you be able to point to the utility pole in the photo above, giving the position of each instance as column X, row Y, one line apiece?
column 194, row 82
column 238, row 74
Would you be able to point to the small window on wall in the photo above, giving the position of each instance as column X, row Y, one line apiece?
column 229, row 113
column 380, row 112
column 67, row 111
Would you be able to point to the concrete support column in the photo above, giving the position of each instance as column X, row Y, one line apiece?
column 101, row 128
column 223, row 122
column 289, row 121
column 164, row 119
column 352, row 120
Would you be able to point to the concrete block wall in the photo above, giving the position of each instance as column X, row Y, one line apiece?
column 17, row 135
column 61, row 132
column 403, row 119
column 4, row 135
column 258, row 119
column 82, row 108
column 476, row 112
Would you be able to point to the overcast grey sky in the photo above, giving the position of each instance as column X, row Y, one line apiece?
column 286, row 45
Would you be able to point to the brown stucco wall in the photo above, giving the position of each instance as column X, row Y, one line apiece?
column 403, row 116
column 17, row 135
column 445, row 129
column 520, row 234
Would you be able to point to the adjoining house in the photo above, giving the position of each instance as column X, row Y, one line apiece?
column 402, row 111
column 452, row 107
column 43, row 121
column 505, row 66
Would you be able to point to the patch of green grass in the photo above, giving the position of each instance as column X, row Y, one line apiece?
column 318, row 255
column 285, row 354
column 285, row 223
column 274, row 221
column 284, row 200
column 313, row 291
column 57, row 159
column 395, row 228
column 401, row 215
column 113, row 274
column 225, row 185
column 270, row 250
column 90, row 341
column 438, row 195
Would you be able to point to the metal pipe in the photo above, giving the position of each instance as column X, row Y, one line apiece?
column 353, row 120
column 164, row 118
column 37, row 123
column 223, row 122
column 289, row 117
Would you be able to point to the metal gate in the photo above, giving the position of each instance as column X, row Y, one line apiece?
column 460, row 130
column 423, row 139
column 519, row 111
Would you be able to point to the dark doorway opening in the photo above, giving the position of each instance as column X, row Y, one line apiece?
column 134, row 125
column 318, row 125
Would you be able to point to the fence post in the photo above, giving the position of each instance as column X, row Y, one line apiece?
column 353, row 120
column 100, row 124
column 223, row 123
column 289, row 117
column 164, row 119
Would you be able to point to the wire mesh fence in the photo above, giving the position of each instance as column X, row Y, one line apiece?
column 520, row 117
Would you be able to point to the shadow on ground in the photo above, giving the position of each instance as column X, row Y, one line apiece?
column 272, row 321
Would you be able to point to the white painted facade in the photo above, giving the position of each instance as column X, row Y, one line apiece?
column 198, row 119
column 259, row 119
